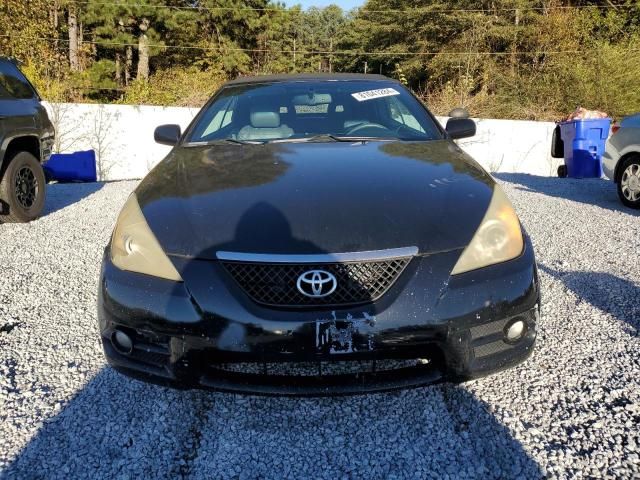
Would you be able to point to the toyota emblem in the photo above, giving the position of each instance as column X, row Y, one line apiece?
column 317, row 283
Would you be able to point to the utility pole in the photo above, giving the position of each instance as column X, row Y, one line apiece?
column 365, row 66
column 294, row 54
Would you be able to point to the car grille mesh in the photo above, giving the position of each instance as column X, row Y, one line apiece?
column 320, row 368
column 274, row 284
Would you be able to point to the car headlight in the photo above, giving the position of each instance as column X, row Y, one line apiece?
column 498, row 239
column 135, row 248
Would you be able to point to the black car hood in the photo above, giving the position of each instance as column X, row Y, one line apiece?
column 299, row 198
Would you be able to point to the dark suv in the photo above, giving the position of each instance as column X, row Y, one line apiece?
column 26, row 139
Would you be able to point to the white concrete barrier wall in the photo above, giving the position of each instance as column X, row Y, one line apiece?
column 513, row 146
column 122, row 137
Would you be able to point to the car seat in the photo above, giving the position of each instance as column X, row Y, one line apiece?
column 264, row 125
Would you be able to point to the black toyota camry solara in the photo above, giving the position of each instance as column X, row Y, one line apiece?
column 316, row 235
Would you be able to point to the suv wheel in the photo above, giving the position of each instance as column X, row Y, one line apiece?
column 629, row 184
column 22, row 189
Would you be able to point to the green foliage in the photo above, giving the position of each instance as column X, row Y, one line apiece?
column 399, row 74
column 505, row 58
column 20, row 23
column 534, row 59
column 100, row 75
column 183, row 87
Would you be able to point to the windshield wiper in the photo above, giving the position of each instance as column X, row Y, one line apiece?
column 324, row 136
column 328, row 136
column 242, row 142
column 313, row 138
column 226, row 140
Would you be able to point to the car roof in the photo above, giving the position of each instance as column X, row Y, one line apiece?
column 631, row 121
column 309, row 77
column 12, row 60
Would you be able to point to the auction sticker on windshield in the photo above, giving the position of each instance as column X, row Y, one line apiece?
column 371, row 94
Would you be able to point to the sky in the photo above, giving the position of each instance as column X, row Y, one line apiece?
column 345, row 4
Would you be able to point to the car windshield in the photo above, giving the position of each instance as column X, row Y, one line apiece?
column 300, row 111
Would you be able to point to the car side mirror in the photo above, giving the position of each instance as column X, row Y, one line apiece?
column 167, row 134
column 460, row 128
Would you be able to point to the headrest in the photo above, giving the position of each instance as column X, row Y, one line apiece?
column 262, row 119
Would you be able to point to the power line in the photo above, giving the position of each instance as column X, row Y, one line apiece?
column 364, row 10
column 313, row 52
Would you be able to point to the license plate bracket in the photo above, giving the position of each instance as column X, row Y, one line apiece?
column 351, row 335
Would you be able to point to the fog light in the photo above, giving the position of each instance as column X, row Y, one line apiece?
column 122, row 342
column 515, row 330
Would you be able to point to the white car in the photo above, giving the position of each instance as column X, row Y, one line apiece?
column 621, row 159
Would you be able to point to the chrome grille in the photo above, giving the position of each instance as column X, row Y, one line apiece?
column 274, row 284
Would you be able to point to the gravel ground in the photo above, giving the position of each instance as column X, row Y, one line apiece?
column 571, row 411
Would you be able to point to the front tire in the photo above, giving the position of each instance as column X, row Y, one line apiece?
column 22, row 189
column 629, row 182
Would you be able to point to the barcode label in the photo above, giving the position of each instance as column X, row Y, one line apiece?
column 371, row 94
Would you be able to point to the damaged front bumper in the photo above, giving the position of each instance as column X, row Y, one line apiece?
column 205, row 333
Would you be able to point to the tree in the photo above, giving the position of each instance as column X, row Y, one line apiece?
column 319, row 30
column 28, row 23
column 503, row 58
column 124, row 26
column 228, row 34
column 73, row 37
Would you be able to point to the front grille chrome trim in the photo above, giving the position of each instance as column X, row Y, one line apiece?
column 371, row 255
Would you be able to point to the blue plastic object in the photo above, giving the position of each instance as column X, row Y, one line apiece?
column 584, row 142
column 72, row 167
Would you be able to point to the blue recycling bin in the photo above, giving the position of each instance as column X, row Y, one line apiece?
column 72, row 167
column 584, row 142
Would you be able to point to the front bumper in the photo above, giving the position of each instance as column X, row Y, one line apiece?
column 609, row 161
column 206, row 333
